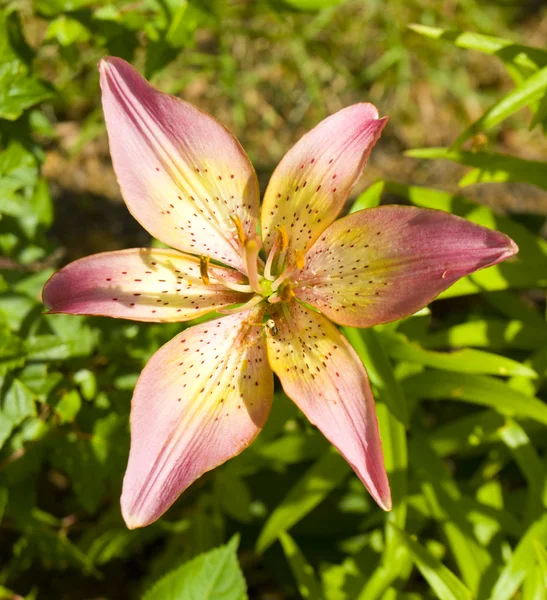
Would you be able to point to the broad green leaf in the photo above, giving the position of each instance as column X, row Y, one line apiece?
column 68, row 406
column 461, row 361
column 489, row 166
column 529, row 91
column 212, row 576
column 521, row 562
column 442, row 581
column 494, row 334
column 16, row 404
column 476, row 389
column 306, row 579
column 369, row 198
column 67, row 31
column 12, row 352
column 312, row 488
column 508, row 51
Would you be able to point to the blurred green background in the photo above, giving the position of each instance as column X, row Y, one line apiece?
column 460, row 387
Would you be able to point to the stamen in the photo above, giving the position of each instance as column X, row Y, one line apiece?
column 299, row 260
column 239, row 228
column 280, row 244
column 237, row 287
column 243, row 307
column 269, row 262
column 252, row 248
column 287, row 273
column 203, row 266
column 274, row 299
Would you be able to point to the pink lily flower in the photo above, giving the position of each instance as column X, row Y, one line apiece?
column 205, row 395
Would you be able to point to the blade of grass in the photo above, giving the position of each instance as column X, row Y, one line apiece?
column 476, row 389
column 442, row 581
column 307, row 582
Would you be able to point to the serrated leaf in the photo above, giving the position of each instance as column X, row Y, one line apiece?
column 214, row 575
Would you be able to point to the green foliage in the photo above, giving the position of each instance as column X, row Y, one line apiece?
column 460, row 387
column 211, row 576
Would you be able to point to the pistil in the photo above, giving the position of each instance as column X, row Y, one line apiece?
column 252, row 247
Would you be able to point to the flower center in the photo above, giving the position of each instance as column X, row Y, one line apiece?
column 270, row 280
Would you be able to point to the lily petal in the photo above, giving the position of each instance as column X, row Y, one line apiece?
column 201, row 399
column 141, row 284
column 382, row 264
column 312, row 182
column 321, row 372
column 183, row 176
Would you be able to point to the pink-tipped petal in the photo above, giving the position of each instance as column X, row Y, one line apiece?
column 201, row 399
column 321, row 372
column 183, row 176
column 385, row 263
column 312, row 182
column 141, row 284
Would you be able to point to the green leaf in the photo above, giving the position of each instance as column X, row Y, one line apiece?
column 489, row 166
column 392, row 416
column 67, row 31
column 372, row 353
column 17, row 403
column 494, row 334
column 524, row 94
column 445, row 503
column 68, row 406
column 311, row 489
column 308, row 584
column 460, row 361
column 530, row 464
column 508, row 51
column 541, row 555
column 521, row 562
column 311, row 5
column 442, row 581
column 369, row 198
column 212, row 576
column 476, row 389
column 12, row 352
column 233, row 495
